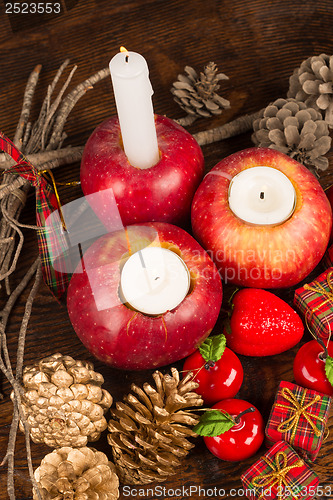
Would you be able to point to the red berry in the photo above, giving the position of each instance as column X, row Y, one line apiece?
column 309, row 367
column 217, row 380
column 243, row 439
column 262, row 324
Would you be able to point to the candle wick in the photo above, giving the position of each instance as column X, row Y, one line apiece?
column 126, row 58
column 262, row 195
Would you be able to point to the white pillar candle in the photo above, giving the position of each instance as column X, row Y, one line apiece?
column 154, row 280
column 133, row 91
column 262, row 196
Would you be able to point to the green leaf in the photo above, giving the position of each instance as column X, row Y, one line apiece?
column 329, row 369
column 213, row 348
column 213, row 423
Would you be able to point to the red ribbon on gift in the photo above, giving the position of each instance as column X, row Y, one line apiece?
column 51, row 240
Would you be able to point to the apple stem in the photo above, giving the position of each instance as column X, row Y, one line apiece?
column 323, row 355
column 240, row 415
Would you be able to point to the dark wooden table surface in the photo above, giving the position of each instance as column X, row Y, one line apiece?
column 257, row 44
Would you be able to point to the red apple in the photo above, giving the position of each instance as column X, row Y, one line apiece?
column 329, row 194
column 162, row 193
column 309, row 367
column 219, row 377
column 244, row 438
column 128, row 339
column 255, row 255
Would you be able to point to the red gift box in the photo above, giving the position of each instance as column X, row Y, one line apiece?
column 280, row 474
column 299, row 417
column 315, row 302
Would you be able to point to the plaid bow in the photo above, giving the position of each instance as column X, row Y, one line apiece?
column 52, row 240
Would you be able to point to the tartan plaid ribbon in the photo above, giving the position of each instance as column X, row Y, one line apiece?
column 298, row 409
column 321, row 290
column 279, row 476
column 52, row 241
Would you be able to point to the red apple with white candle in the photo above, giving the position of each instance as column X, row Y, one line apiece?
column 107, row 323
column 271, row 230
column 151, row 163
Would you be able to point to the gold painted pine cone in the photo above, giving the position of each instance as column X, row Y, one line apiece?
column 149, row 431
column 196, row 94
column 312, row 83
column 63, row 401
column 76, row 474
column 291, row 127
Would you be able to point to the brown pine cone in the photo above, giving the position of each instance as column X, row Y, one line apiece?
column 197, row 94
column 294, row 129
column 312, row 83
column 63, row 401
column 76, row 474
column 149, row 430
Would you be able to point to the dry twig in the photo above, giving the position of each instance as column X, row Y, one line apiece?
column 41, row 142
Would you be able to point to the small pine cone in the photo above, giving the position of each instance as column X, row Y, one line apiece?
column 291, row 127
column 149, row 430
column 63, row 401
column 197, row 94
column 76, row 474
column 312, row 83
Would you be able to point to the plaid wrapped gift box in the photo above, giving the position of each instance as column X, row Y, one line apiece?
column 280, row 474
column 315, row 302
column 299, row 417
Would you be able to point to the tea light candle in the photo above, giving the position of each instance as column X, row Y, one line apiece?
column 133, row 91
column 154, row 280
column 262, row 196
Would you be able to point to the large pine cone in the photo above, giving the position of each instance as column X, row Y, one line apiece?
column 197, row 94
column 76, row 474
column 63, row 401
column 312, row 83
column 294, row 129
column 149, row 430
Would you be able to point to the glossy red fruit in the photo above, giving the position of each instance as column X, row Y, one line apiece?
column 251, row 255
column 243, row 439
column 130, row 340
column 329, row 194
column 217, row 380
column 262, row 324
column 309, row 367
column 161, row 193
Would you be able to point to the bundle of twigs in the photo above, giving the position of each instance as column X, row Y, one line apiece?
column 41, row 142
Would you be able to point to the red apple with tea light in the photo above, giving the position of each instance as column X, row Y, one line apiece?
column 274, row 230
column 108, row 323
column 151, row 163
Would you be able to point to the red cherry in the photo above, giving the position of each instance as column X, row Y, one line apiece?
column 243, row 439
column 309, row 367
column 217, row 380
